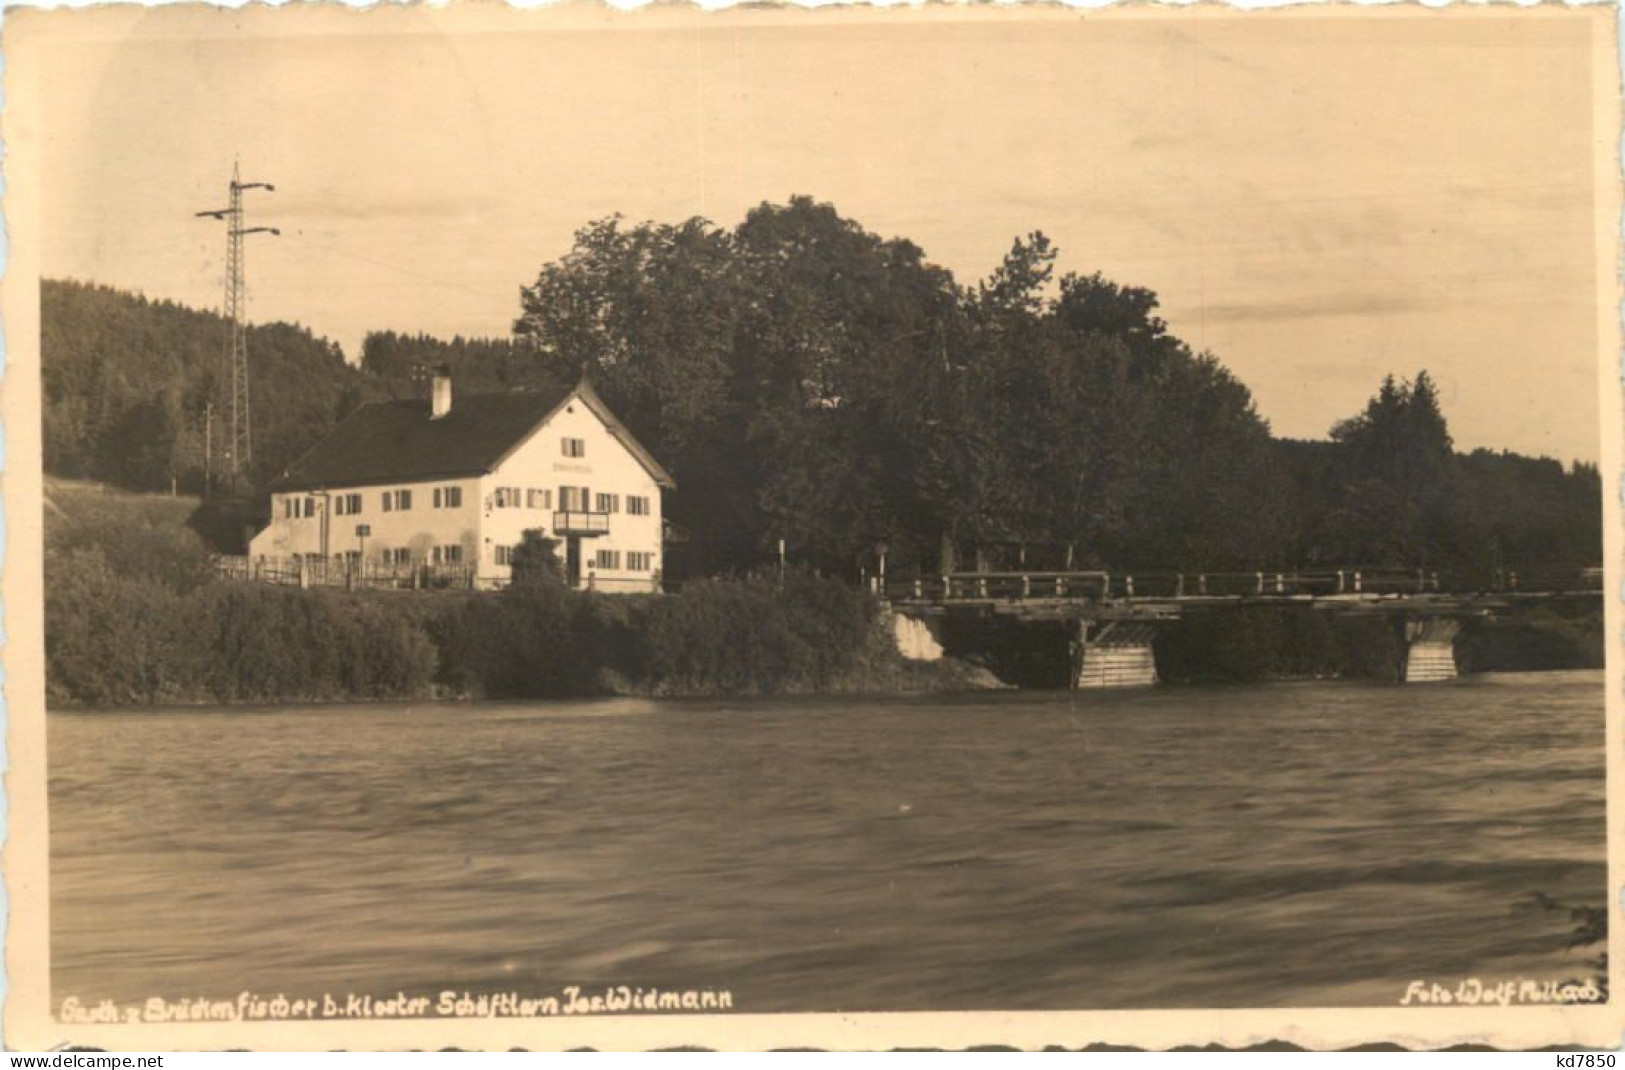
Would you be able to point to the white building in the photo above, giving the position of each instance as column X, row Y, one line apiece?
column 455, row 485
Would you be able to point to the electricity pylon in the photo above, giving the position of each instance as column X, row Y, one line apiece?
column 239, row 444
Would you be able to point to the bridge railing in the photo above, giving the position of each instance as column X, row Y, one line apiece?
column 1356, row 581
column 1011, row 586
column 1106, row 586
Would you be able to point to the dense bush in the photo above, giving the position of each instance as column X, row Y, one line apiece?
column 536, row 559
column 137, row 536
column 113, row 640
column 722, row 635
column 268, row 643
column 833, row 620
column 754, row 635
column 116, row 639
column 715, row 636
column 532, row 640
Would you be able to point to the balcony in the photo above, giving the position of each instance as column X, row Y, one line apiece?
column 573, row 523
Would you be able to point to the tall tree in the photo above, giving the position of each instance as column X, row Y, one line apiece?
column 1400, row 501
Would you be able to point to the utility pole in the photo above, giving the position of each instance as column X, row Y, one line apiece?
column 208, row 449
column 239, row 444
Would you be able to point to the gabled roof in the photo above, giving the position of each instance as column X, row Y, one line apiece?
column 397, row 441
column 589, row 397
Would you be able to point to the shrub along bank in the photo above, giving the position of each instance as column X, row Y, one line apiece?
column 134, row 616
column 712, row 637
column 112, row 639
column 115, row 640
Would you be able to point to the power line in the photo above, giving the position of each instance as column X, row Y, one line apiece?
column 484, row 294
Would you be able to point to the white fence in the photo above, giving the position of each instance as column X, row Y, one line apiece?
column 378, row 575
column 352, row 575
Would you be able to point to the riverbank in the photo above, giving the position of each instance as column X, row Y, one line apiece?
column 134, row 616
column 116, row 641
column 113, row 640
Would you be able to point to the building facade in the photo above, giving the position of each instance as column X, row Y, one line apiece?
column 449, row 486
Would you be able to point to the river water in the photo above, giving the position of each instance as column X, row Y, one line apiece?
column 1291, row 844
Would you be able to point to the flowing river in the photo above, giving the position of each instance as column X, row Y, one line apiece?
column 1304, row 844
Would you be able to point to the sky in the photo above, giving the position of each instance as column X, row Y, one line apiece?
column 1319, row 199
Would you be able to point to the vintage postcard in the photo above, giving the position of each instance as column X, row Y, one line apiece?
column 845, row 528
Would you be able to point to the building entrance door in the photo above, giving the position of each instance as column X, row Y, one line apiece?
column 572, row 560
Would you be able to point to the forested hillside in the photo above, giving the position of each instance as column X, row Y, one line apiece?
column 477, row 364
column 125, row 379
column 1389, row 488
column 807, row 380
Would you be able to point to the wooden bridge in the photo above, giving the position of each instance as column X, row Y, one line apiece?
column 1115, row 613
column 1166, row 594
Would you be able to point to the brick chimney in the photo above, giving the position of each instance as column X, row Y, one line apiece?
column 440, row 396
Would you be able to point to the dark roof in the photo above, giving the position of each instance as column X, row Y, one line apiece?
column 397, row 442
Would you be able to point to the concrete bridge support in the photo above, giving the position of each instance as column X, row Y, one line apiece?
column 1431, row 651
column 1118, row 654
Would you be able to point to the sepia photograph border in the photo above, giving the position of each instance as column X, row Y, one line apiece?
column 28, row 1015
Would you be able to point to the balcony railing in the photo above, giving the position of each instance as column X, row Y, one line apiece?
column 582, row 523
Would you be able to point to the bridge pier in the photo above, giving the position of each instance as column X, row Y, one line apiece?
column 1119, row 654
column 1430, row 653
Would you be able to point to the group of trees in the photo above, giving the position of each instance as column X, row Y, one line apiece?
column 809, row 381
column 1389, row 488
column 397, row 361
column 806, row 380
